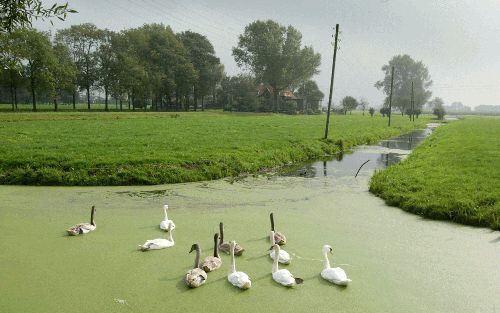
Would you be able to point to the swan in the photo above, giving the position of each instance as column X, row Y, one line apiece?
column 283, row 257
column 224, row 246
column 237, row 279
column 211, row 263
column 159, row 243
column 279, row 238
column 164, row 224
column 196, row 276
column 83, row 228
column 334, row 275
column 283, row 277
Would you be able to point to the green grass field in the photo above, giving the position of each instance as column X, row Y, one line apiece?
column 454, row 174
column 155, row 148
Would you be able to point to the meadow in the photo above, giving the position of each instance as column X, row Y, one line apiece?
column 454, row 175
column 155, row 148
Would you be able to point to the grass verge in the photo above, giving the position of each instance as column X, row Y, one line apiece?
column 453, row 175
column 157, row 148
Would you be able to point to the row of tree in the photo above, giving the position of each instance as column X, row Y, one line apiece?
column 149, row 65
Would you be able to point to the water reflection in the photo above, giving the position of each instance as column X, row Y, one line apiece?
column 386, row 153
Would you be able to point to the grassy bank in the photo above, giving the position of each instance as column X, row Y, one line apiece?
column 453, row 175
column 156, row 148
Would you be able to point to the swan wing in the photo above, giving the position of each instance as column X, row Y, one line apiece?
column 165, row 223
column 156, row 244
column 284, row 277
column 335, row 275
column 283, row 257
column 240, row 280
column 82, row 228
column 195, row 277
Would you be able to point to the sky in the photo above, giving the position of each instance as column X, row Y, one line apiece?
column 459, row 41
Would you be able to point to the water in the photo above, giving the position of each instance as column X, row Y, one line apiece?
column 398, row 262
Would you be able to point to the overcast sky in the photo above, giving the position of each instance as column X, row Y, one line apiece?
column 459, row 41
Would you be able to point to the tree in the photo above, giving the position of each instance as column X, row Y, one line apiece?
column 202, row 55
column 37, row 55
column 64, row 73
column 15, row 14
column 406, row 71
column 107, row 60
column 363, row 103
column 384, row 111
column 371, row 111
column 311, row 96
column 10, row 62
column 349, row 104
column 238, row 93
column 83, row 42
column 274, row 54
column 438, row 109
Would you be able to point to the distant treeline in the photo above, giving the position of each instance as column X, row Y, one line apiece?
column 145, row 66
column 149, row 67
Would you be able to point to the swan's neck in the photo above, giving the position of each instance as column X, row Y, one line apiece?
column 272, row 239
column 197, row 259
column 233, row 261
column 166, row 215
column 221, row 231
column 272, row 221
column 326, row 261
column 170, row 237
column 216, row 248
column 92, row 217
column 276, row 257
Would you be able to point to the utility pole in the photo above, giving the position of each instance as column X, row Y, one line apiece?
column 412, row 105
column 390, row 96
column 331, row 82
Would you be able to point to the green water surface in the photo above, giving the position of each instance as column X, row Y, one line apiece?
column 398, row 262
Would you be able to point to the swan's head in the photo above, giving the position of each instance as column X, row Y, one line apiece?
column 165, row 207
column 327, row 248
column 194, row 247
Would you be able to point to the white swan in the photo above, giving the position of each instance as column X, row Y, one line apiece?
column 196, row 276
column 334, row 275
column 283, row 276
column 166, row 222
column 83, row 228
column 237, row 279
column 283, row 257
column 159, row 243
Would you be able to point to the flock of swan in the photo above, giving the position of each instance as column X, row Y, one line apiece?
column 197, row 276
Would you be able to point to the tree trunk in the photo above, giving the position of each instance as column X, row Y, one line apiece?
column 121, row 105
column 106, row 99
column 55, row 104
column 202, row 104
column 128, row 101
column 15, row 96
column 33, row 93
column 12, row 95
column 116, row 104
column 276, row 96
column 88, row 97
column 74, row 100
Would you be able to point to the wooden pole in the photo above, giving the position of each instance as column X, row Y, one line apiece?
column 390, row 96
column 331, row 81
column 412, row 113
